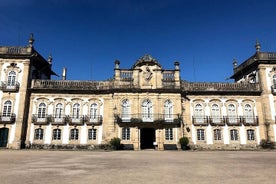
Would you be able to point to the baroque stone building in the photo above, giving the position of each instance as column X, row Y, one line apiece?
column 146, row 106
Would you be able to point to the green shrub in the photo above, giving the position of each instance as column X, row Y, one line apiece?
column 184, row 141
column 115, row 143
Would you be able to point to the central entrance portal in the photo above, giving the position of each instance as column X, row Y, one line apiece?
column 147, row 137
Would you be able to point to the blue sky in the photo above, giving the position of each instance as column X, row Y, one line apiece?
column 87, row 36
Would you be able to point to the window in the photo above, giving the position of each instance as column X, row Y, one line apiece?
column 215, row 113
column 125, row 109
column 250, row 135
column 93, row 111
column 92, row 134
column 125, row 133
column 217, row 134
column 7, row 108
column 169, row 134
column 200, row 135
column 232, row 114
column 74, row 134
column 56, row 134
column 11, row 78
column 147, row 110
column 76, row 110
column 198, row 114
column 38, row 134
column 41, row 110
column 59, row 110
column 274, row 81
column 248, row 114
column 234, row 136
column 168, row 107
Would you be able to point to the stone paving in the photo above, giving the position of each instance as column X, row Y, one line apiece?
column 122, row 167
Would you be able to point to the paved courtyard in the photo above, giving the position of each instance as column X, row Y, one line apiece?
column 89, row 167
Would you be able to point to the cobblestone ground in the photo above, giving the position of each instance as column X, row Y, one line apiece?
column 121, row 167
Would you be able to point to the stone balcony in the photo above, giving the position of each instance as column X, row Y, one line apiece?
column 217, row 87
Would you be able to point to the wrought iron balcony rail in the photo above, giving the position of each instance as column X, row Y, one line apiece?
column 213, row 86
column 7, row 118
column 225, row 120
column 148, row 118
column 59, row 119
column 7, row 87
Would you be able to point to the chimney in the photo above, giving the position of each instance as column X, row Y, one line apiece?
column 64, row 71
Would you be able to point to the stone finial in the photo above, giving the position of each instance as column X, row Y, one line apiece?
column 176, row 65
column 64, row 73
column 50, row 59
column 258, row 46
column 117, row 63
column 31, row 40
column 235, row 64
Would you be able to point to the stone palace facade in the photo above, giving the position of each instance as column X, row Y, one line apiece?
column 146, row 106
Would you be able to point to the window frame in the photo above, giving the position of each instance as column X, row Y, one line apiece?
column 169, row 136
column 92, row 134
column 200, row 134
column 126, row 133
column 74, row 134
column 38, row 134
column 234, row 135
column 56, row 134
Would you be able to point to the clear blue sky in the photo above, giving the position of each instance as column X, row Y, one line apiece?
column 86, row 36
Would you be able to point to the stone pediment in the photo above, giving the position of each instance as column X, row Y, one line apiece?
column 147, row 60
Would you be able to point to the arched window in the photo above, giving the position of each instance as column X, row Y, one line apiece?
column 38, row 134
column 11, row 78
column 74, row 134
column 168, row 108
column 248, row 114
column 215, row 113
column 198, row 114
column 217, row 134
column 59, row 110
column 94, row 111
column 147, row 110
column 76, row 110
column 7, row 108
column 41, row 110
column 125, row 109
column 232, row 114
column 57, row 134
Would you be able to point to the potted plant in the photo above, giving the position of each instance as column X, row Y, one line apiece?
column 184, row 141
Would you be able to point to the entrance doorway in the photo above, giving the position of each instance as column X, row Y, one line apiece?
column 147, row 137
column 4, row 132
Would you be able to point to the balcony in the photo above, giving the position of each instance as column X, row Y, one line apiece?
column 6, row 87
column 41, row 119
column 75, row 120
column 216, row 121
column 250, row 121
column 59, row 120
column 93, row 120
column 233, row 120
column 200, row 121
column 149, row 119
column 7, row 119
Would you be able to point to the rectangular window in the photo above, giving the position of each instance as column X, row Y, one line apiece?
column 200, row 135
column 125, row 133
column 92, row 134
column 74, row 134
column 169, row 134
column 234, row 135
column 56, row 134
column 38, row 134
column 217, row 134
column 250, row 135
